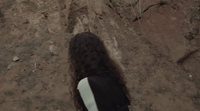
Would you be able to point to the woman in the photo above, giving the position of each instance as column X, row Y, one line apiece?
column 97, row 83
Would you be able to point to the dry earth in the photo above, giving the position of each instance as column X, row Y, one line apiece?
column 155, row 42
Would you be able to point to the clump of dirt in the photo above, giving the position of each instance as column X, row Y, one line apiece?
column 156, row 43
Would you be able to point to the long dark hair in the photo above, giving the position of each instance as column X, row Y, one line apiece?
column 88, row 57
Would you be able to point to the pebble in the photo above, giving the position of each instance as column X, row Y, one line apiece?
column 190, row 76
column 50, row 42
column 52, row 49
column 11, row 65
column 15, row 59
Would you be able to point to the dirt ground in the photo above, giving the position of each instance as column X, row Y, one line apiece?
column 156, row 43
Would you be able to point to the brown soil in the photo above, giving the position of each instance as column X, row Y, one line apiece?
column 155, row 42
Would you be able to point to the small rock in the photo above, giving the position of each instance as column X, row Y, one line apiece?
column 50, row 42
column 11, row 65
column 15, row 59
column 53, row 49
column 190, row 76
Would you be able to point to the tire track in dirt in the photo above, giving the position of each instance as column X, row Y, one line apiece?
column 64, row 6
column 77, row 19
column 155, row 82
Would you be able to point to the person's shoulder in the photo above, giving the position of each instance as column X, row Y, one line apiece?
column 82, row 83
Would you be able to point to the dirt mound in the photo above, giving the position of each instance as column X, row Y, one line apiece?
column 156, row 43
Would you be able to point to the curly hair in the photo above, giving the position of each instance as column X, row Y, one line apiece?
column 89, row 57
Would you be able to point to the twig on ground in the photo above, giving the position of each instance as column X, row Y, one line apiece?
column 35, row 67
